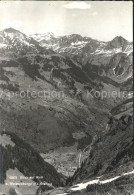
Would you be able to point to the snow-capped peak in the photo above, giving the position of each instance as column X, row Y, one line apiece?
column 43, row 36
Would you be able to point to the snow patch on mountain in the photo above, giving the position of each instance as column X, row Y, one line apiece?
column 83, row 185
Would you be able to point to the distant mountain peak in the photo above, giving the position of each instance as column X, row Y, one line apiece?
column 11, row 30
column 118, row 42
column 74, row 35
column 43, row 36
column 119, row 38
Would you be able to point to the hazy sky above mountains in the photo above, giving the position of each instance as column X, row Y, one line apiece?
column 102, row 20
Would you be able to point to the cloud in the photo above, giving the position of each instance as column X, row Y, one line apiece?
column 94, row 13
column 77, row 5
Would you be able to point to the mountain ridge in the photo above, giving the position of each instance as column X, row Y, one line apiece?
column 10, row 29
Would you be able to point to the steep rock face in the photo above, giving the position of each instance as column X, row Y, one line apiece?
column 117, row 67
column 118, row 42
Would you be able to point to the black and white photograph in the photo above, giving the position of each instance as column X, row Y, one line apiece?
column 66, row 98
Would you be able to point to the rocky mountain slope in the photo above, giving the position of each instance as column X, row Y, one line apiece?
column 111, row 155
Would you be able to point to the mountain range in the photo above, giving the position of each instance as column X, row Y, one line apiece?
column 76, row 133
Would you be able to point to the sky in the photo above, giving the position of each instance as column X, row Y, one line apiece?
column 101, row 20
